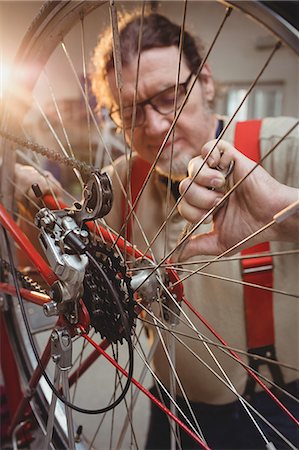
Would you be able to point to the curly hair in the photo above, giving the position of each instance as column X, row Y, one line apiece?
column 157, row 31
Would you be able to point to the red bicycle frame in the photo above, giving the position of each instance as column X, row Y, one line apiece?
column 18, row 403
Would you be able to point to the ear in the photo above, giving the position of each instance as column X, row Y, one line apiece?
column 207, row 83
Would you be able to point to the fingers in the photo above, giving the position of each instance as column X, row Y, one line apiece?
column 197, row 200
column 206, row 184
column 49, row 184
column 203, row 244
column 27, row 175
column 204, row 175
column 46, row 182
column 220, row 155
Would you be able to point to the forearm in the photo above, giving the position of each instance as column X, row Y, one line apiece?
column 286, row 226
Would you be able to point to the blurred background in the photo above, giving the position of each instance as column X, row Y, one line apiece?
column 237, row 58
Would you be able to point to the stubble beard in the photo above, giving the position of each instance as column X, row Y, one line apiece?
column 176, row 168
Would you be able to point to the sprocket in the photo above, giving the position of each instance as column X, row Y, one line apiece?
column 105, row 314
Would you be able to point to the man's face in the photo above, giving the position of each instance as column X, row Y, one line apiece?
column 196, row 124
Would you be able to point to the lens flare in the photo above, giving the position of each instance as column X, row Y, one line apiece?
column 4, row 75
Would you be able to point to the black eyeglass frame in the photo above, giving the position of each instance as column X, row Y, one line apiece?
column 148, row 101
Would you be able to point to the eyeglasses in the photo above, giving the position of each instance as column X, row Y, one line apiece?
column 163, row 103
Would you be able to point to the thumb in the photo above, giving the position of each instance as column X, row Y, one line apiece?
column 201, row 244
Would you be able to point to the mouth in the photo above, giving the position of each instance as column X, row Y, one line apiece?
column 167, row 147
column 171, row 143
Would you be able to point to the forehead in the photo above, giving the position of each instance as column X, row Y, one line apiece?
column 158, row 68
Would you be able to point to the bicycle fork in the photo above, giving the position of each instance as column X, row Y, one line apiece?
column 61, row 352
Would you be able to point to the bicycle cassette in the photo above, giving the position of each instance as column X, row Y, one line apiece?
column 106, row 316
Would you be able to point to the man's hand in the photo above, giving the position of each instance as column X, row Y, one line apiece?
column 252, row 205
column 26, row 176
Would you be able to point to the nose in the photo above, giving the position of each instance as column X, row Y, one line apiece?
column 154, row 122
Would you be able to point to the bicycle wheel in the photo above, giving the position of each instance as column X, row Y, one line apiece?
column 53, row 34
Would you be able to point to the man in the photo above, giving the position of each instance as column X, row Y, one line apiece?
column 224, row 422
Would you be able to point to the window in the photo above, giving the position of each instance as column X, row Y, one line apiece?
column 265, row 100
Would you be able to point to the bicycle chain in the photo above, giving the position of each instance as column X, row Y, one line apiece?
column 26, row 281
column 104, row 311
column 52, row 155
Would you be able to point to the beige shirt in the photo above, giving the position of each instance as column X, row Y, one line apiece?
column 220, row 302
